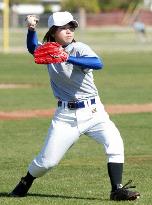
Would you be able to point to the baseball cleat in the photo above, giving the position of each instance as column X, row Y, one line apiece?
column 21, row 189
column 123, row 193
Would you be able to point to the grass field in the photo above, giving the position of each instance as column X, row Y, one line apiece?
column 81, row 177
column 126, row 78
column 102, row 39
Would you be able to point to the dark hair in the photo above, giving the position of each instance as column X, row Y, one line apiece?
column 49, row 36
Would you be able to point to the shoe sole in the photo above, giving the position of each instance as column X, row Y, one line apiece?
column 15, row 195
column 133, row 198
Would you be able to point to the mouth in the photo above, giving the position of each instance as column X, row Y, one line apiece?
column 69, row 36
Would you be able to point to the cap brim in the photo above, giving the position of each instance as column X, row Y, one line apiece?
column 75, row 23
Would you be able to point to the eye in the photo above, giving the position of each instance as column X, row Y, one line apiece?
column 72, row 28
column 62, row 27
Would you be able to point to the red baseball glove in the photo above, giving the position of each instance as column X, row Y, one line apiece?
column 50, row 52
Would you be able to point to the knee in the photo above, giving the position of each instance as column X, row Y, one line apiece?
column 49, row 164
column 115, row 147
column 115, row 153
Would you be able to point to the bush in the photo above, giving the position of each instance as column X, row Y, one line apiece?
column 74, row 5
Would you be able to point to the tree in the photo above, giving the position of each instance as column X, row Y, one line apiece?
column 24, row 1
column 74, row 5
column 108, row 5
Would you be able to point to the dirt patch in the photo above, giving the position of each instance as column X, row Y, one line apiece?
column 130, row 108
column 111, row 109
column 24, row 114
column 13, row 86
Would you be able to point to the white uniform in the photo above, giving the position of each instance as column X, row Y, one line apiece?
column 71, row 83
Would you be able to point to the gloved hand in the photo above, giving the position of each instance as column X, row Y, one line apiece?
column 50, row 52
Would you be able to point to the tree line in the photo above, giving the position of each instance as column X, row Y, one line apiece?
column 92, row 6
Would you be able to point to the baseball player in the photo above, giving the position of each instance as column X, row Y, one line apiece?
column 79, row 109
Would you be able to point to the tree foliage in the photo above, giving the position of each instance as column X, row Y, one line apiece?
column 99, row 5
column 93, row 6
column 74, row 5
column 24, row 1
column 107, row 5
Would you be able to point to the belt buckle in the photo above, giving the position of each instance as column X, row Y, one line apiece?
column 71, row 105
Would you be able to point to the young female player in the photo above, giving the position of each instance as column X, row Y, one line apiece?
column 79, row 108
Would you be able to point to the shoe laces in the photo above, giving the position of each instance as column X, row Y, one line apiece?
column 128, row 186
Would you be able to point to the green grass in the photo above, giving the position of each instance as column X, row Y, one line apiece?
column 20, row 68
column 126, row 78
column 81, row 177
column 102, row 39
column 112, row 39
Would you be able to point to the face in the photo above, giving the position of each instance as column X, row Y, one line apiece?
column 64, row 34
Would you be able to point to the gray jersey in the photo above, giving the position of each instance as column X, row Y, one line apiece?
column 71, row 82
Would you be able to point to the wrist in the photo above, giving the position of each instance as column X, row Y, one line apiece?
column 31, row 29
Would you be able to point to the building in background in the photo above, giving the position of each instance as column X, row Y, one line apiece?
column 148, row 4
column 52, row 5
column 28, row 9
column 19, row 11
column 44, row 8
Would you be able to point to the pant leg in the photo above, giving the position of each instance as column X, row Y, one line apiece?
column 104, row 131
column 62, row 134
column 109, row 136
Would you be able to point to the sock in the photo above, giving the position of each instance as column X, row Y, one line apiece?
column 29, row 177
column 115, row 173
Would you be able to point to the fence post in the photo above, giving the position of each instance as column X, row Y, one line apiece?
column 82, row 18
column 6, row 26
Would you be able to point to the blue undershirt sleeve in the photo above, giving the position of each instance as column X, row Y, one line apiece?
column 86, row 62
column 32, row 41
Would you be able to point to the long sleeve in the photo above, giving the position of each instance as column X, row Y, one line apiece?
column 86, row 62
column 32, row 41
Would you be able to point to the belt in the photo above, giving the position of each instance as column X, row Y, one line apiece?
column 72, row 105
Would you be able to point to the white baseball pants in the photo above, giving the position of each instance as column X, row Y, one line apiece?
column 67, row 126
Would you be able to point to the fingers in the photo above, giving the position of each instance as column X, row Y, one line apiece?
column 32, row 21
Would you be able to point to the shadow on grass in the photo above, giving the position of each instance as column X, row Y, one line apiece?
column 63, row 196
column 5, row 194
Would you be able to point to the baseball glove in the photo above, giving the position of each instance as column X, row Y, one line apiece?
column 50, row 52
column 32, row 21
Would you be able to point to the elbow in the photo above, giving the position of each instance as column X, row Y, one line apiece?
column 99, row 65
column 96, row 65
column 31, row 49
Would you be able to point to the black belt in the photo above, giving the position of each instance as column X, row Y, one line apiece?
column 75, row 104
